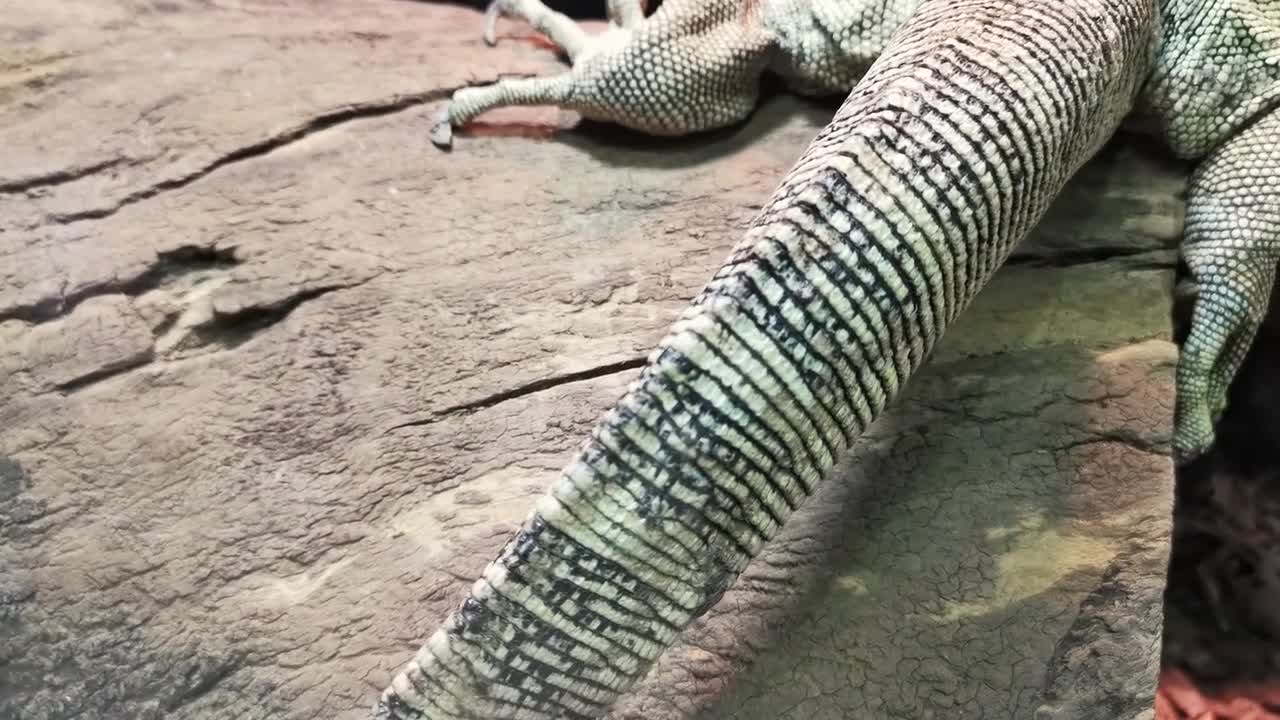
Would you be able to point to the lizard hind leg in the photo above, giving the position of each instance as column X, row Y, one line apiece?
column 562, row 30
column 1232, row 247
column 471, row 101
column 691, row 73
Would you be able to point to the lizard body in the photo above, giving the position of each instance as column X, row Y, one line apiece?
column 945, row 154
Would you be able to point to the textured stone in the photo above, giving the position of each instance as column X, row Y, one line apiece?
column 287, row 378
column 101, row 337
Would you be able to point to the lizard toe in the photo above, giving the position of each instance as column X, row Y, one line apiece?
column 441, row 132
column 496, row 9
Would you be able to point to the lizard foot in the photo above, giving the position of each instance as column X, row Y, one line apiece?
column 441, row 132
column 1231, row 247
column 558, row 27
column 717, row 83
column 1223, row 326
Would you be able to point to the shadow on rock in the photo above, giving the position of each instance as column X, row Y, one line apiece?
column 1222, row 605
column 614, row 145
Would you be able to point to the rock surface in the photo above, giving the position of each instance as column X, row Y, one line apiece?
column 277, row 379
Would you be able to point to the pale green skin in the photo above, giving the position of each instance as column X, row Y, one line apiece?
column 941, row 160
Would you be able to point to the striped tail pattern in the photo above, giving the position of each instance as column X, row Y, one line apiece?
column 938, row 163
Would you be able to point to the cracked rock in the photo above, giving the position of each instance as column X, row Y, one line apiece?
column 101, row 337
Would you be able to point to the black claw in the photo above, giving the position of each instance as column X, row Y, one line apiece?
column 391, row 707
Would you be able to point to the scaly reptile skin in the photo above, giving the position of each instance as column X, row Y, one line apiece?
column 943, row 157
column 694, row 65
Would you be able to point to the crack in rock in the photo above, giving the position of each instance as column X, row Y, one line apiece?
column 232, row 329
column 106, row 372
column 1147, row 445
column 528, row 388
column 319, row 123
column 1062, row 258
column 225, row 331
column 58, row 177
column 168, row 265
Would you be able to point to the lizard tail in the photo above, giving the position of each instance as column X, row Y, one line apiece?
column 943, row 158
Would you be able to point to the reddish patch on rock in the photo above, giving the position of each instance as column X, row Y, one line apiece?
column 532, row 38
column 1179, row 698
column 511, row 129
